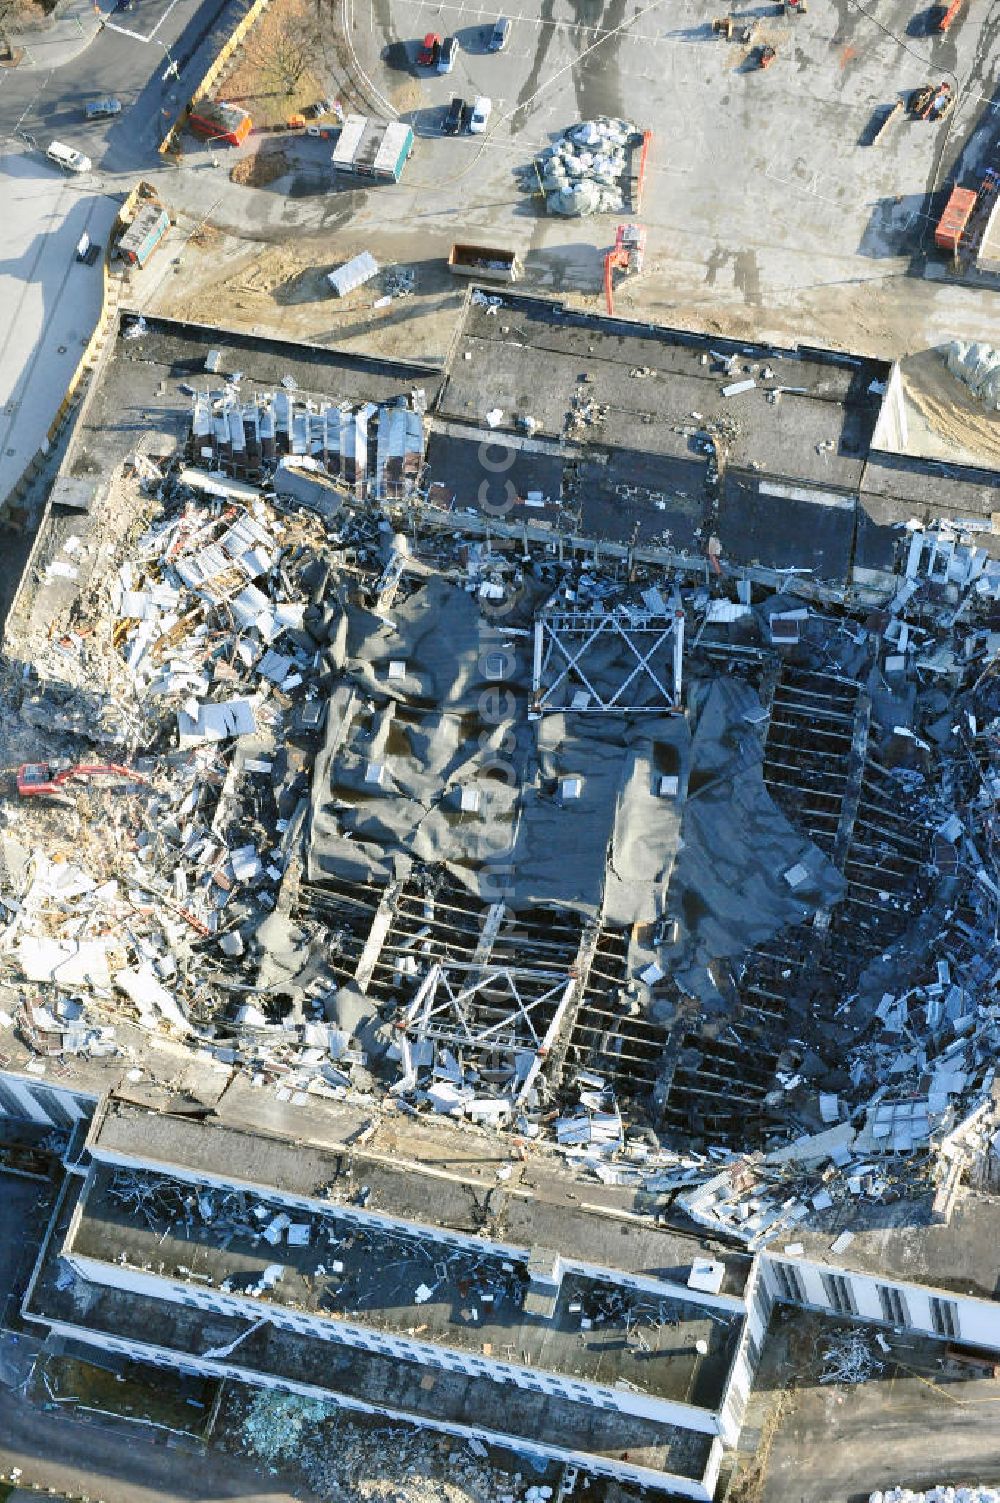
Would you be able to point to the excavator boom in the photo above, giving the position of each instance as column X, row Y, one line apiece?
column 37, row 778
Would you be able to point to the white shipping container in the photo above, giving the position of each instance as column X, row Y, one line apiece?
column 353, row 273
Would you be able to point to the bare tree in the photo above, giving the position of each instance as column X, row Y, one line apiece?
column 284, row 56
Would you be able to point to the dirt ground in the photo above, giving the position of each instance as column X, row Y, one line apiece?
column 916, row 1421
column 275, row 288
column 282, row 290
column 958, row 425
column 270, row 75
column 262, row 168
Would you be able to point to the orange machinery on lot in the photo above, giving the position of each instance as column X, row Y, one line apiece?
column 220, row 121
column 951, row 226
column 627, row 256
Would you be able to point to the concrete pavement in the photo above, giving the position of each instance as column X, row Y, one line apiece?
column 61, row 39
column 49, row 301
column 125, row 1463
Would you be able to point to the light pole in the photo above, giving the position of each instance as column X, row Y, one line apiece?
column 172, row 69
column 208, row 142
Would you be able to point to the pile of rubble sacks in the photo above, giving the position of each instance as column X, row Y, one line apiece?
column 582, row 173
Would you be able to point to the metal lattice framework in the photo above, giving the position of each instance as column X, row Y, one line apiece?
column 577, row 648
column 506, row 1010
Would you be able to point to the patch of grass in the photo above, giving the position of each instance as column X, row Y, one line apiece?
column 139, row 1392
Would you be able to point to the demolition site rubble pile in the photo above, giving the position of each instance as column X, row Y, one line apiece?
column 745, row 959
column 940, row 1494
column 582, row 173
column 341, row 1458
column 978, row 365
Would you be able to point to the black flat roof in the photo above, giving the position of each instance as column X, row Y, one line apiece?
column 658, row 385
column 433, row 1175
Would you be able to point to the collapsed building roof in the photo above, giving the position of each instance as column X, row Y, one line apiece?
column 709, row 871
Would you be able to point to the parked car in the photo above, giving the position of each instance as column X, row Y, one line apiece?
column 431, row 50
column 456, row 114
column 68, row 158
column 448, row 54
column 501, row 34
column 480, row 115
column 97, row 109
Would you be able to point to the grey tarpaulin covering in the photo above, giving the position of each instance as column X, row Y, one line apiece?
column 407, row 733
column 412, row 725
column 729, row 889
column 562, row 844
column 645, row 838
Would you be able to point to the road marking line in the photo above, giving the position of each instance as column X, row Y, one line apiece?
column 136, row 36
column 162, row 18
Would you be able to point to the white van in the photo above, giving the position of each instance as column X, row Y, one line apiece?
column 65, row 156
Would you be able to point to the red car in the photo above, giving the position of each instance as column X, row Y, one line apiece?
column 431, row 50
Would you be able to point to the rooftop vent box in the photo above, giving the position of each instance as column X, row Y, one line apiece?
column 669, row 785
column 375, row 774
column 544, row 1281
column 706, row 1275
column 570, row 788
column 213, row 360
column 784, row 633
column 545, row 1267
column 470, row 800
column 397, row 669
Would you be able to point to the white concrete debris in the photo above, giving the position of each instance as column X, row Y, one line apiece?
column 65, row 963
column 582, row 173
column 978, row 366
column 939, row 1494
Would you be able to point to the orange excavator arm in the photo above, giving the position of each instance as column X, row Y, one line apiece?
column 37, row 778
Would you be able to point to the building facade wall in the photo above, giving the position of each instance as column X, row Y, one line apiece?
column 700, row 1489
column 891, row 1302
column 141, row 1282
column 26, row 1098
column 746, row 1359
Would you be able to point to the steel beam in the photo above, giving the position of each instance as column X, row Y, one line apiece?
column 564, row 646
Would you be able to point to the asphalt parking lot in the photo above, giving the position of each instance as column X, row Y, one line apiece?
column 762, row 188
column 49, row 300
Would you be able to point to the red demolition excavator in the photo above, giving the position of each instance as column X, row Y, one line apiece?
column 37, row 779
column 627, row 256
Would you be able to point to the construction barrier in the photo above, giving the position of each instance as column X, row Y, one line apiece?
column 215, row 70
column 647, row 140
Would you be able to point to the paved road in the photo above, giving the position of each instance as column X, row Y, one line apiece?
column 123, row 1463
column 128, row 55
column 49, row 302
